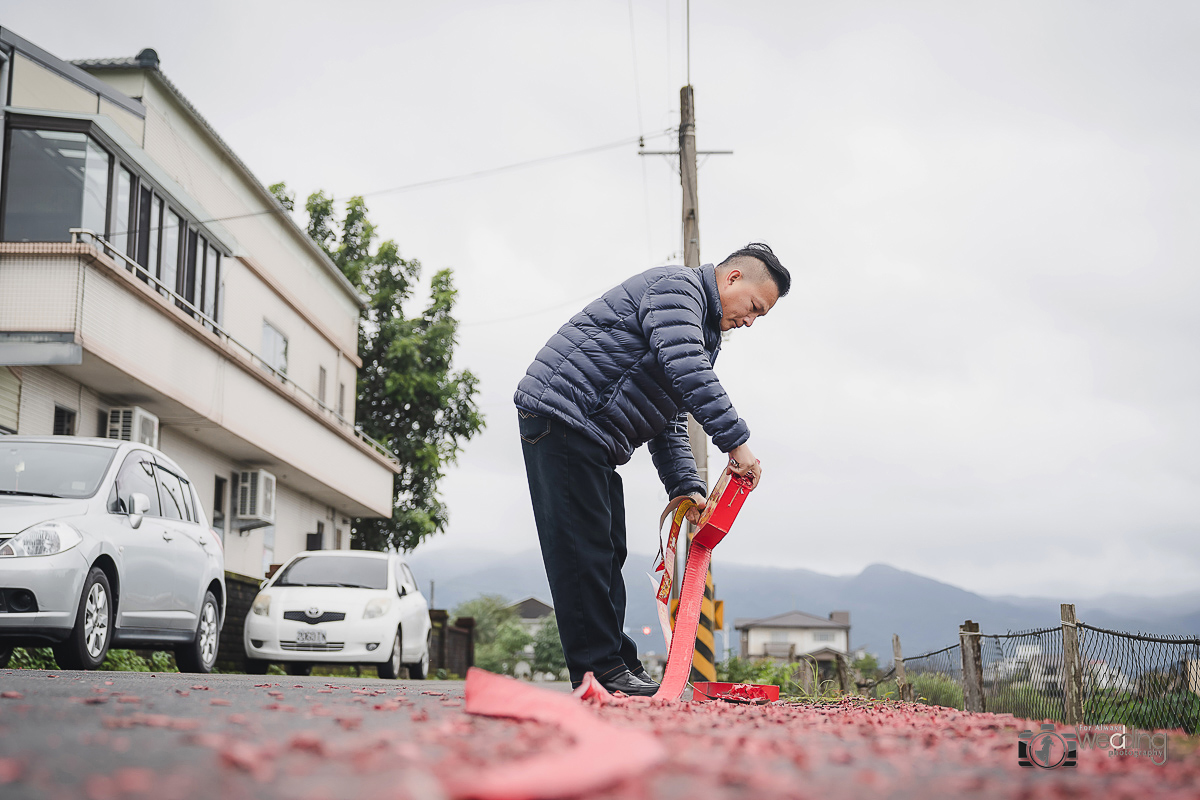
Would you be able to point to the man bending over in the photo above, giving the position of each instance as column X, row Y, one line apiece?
column 623, row 372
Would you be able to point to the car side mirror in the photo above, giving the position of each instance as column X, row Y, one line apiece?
column 403, row 590
column 139, row 504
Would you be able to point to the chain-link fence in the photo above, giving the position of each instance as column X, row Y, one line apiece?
column 936, row 677
column 1145, row 682
column 1020, row 673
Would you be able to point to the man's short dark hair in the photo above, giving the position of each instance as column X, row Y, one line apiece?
column 777, row 271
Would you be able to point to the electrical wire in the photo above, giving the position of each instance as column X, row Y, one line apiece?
column 589, row 296
column 466, row 176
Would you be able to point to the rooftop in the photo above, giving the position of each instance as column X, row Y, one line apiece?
column 789, row 619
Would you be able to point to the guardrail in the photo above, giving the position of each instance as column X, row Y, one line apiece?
column 215, row 328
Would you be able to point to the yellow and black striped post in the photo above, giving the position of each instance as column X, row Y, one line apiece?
column 704, row 666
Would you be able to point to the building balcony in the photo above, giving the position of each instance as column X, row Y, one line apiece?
column 104, row 322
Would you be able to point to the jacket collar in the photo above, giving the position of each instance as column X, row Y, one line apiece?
column 708, row 277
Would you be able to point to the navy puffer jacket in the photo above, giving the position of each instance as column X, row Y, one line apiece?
column 626, row 369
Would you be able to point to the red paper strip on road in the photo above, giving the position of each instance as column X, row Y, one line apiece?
column 602, row 754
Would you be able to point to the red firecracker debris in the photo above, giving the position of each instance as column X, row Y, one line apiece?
column 626, row 752
column 10, row 770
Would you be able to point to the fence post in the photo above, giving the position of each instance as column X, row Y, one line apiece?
column 972, row 665
column 902, row 686
column 1072, row 671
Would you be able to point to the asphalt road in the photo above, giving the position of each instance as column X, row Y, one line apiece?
column 103, row 735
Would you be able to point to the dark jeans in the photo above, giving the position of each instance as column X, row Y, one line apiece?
column 579, row 508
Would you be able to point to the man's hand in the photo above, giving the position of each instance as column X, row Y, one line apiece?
column 693, row 513
column 743, row 463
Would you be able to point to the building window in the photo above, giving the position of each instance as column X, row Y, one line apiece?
column 57, row 180
column 218, row 517
column 64, row 421
column 779, row 636
column 122, row 218
column 274, row 348
column 321, row 385
column 147, row 232
column 341, row 399
column 212, row 271
column 168, row 265
column 823, row 636
column 187, row 287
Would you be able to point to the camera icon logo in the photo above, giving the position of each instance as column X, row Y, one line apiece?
column 1047, row 748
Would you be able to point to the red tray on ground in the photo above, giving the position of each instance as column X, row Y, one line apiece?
column 735, row 692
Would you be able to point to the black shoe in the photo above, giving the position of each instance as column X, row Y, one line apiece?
column 625, row 683
column 645, row 678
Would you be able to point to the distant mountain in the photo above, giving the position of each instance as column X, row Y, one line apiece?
column 882, row 600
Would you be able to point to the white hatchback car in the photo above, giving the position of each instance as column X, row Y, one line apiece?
column 340, row 607
column 105, row 543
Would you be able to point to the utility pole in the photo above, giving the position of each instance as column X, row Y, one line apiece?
column 703, row 662
column 691, row 240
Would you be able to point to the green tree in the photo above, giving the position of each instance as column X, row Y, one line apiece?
column 489, row 611
column 408, row 396
column 867, row 666
column 286, row 199
column 505, row 651
column 547, row 649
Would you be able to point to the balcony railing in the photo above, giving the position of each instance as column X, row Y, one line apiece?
column 220, row 333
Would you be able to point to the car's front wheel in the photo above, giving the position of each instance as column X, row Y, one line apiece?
column 200, row 654
column 87, row 644
column 419, row 670
column 390, row 669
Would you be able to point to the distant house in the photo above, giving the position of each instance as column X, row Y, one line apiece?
column 532, row 614
column 795, row 635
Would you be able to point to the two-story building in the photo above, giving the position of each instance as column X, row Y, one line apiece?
column 796, row 635
column 152, row 288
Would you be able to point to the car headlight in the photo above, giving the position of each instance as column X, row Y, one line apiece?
column 262, row 605
column 43, row 539
column 377, row 607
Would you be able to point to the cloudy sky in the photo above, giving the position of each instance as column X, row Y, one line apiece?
column 986, row 371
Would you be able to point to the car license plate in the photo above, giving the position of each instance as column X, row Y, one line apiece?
column 310, row 637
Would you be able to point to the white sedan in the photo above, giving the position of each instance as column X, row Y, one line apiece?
column 340, row 607
column 105, row 543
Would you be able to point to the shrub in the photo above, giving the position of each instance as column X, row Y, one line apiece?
column 32, row 658
column 937, row 689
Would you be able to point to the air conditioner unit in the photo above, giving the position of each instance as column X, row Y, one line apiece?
column 133, row 424
column 256, row 497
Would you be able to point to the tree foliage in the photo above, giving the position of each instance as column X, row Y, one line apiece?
column 409, row 397
column 500, row 641
column 507, row 649
column 489, row 611
column 547, row 649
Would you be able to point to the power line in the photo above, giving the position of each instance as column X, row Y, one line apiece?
column 482, row 173
column 589, row 296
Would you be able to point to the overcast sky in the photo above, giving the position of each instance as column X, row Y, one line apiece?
column 986, row 371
